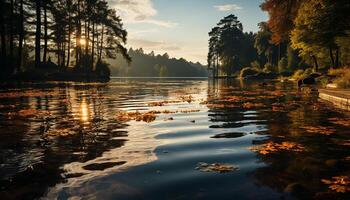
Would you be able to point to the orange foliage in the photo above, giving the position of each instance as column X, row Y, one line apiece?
column 216, row 167
column 272, row 147
column 250, row 105
column 323, row 130
column 137, row 116
column 162, row 103
column 216, row 106
column 189, row 111
column 281, row 18
column 28, row 113
column 338, row 183
column 188, row 99
column 339, row 121
column 26, row 94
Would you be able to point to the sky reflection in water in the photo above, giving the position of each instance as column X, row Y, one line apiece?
column 64, row 140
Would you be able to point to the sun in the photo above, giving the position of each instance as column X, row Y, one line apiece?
column 82, row 41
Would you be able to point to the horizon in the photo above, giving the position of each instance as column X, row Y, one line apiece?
column 151, row 24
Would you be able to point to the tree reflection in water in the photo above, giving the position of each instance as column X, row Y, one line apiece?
column 302, row 159
column 72, row 140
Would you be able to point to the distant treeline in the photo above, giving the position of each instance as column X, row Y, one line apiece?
column 151, row 65
column 58, row 36
column 300, row 34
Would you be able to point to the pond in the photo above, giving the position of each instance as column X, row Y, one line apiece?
column 171, row 139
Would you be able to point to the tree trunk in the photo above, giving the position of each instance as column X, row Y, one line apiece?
column 87, row 37
column 101, row 45
column 45, row 32
column 217, row 66
column 21, row 37
column 78, row 37
column 3, row 40
column 93, row 46
column 69, row 38
column 337, row 58
column 11, row 36
column 331, row 57
column 37, row 33
column 316, row 63
column 63, row 55
column 279, row 53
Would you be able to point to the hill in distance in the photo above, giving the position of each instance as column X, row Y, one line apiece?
column 151, row 65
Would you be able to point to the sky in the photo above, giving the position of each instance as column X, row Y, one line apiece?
column 180, row 27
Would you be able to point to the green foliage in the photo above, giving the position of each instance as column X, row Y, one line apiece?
column 342, row 77
column 308, row 71
column 298, row 74
column 248, row 71
column 263, row 45
column 318, row 25
column 163, row 72
column 292, row 59
column 229, row 47
column 102, row 68
column 70, row 31
column 283, row 65
column 268, row 68
column 256, row 65
column 151, row 65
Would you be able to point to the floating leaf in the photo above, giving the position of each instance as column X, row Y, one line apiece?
column 272, row 147
column 250, row 105
column 322, row 130
column 137, row 116
column 216, row 167
column 340, row 121
column 339, row 184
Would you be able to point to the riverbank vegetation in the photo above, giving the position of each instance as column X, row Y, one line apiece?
column 59, row 40
column 312, row 36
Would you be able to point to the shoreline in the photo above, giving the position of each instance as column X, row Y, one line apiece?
column 340, row 98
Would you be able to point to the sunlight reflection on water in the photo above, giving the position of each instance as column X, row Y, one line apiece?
column 71, row 135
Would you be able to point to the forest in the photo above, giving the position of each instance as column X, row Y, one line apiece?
column 151, row 65
column 300, row 36
column 59, row 39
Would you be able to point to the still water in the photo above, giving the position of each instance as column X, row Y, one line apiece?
column 77, row 141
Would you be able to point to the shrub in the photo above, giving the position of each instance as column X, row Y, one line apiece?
column 283, row 65
column 342, row 77
column 269, row 68
column 298, row 74
column 102, row 68
column 248, row 71
column 256, row 65
column 307, row 72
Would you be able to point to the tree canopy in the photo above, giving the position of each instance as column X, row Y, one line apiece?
column 74, row 34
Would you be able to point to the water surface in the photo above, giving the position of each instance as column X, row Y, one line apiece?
column 64, row 140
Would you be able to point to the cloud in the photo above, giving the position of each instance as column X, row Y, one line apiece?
column 139, row 11
column 228, row 7
column 150, row 45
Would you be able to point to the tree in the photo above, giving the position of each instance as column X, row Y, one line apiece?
column 59, row 29
column 37, row 33
column 163, row 72
column 318, row 25
column 225, row 46
column 281, row 18
column 263, row 44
